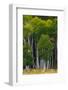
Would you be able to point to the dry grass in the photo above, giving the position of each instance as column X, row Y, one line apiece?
column 39, row 71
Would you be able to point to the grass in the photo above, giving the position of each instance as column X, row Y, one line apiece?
column 39, row 71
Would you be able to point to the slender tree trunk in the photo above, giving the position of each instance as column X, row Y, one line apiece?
column 28, row 40
column 46, row 64
column 37, row 58
column 52, row 61
column 27, row 67
column 33, row 52
column 49, row 62
column 42, row 64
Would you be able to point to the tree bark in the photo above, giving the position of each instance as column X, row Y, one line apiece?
column 37, row 58
column 29, row 41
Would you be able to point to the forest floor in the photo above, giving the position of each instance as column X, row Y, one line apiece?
column 39, row 71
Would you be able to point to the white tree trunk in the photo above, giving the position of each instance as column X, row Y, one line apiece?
column 28, row 41
column 27, row 67
column 48, row 64
column 42, row 64
column 37, row 58
column 32, row 51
